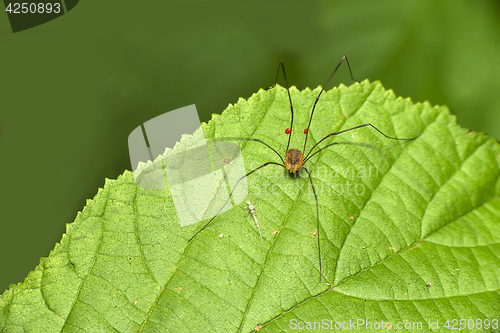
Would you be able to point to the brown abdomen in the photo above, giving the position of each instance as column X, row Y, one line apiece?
column 294, row 160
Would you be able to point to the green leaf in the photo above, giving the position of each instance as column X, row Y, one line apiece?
column 413, row 237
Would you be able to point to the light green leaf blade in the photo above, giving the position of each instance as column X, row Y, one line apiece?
column 409, row 231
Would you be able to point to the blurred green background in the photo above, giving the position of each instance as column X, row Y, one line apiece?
column 73, row 89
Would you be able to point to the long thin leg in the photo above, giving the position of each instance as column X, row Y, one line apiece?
column 322, row 89
column 257, row 140
column 317, row 222
column 317, row 151
column 289, row 98
column 361, row 144
column 277, row 74
column 230, row 194
column 350, row 129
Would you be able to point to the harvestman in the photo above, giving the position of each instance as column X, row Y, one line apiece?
column 294, row 158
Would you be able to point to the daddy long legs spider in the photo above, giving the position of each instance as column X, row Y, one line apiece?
column 295, row 159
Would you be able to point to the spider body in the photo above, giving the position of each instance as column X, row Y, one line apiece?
column 294, row 160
